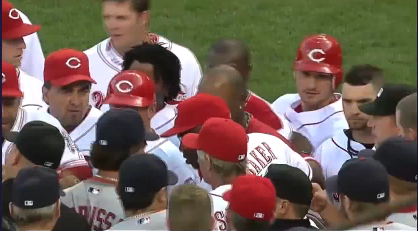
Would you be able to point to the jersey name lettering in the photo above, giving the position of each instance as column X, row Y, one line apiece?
column 99, row 219
column 220, row 220
column 263, row 155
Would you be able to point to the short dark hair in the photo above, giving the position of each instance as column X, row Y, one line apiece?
column 360, row 75
column 408, row 111
column 167, row 66
column 138, row 5
column 47, row 85
column 300, row 210
column 244, row 224
column 107, row 159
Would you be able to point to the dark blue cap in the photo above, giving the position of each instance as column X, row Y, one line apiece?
column 143, row 175
column 36, row 187
column 122, row 129
column 361, row 179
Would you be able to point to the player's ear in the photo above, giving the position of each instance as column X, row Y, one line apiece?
column 57, row 211
column 45, row 94
column 145, row 16
column 152, row 109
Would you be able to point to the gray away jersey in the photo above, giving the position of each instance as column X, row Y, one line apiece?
column 96, row 199
column 154, row 221
column 382, row 227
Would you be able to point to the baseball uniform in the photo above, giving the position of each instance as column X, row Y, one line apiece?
column 163, row 120
column 406, row 216
column 174, row 160
column 382, row 227
column 219, row 206
column 335, row 151
column 33, row 57
column 153, row 221
column 317, row 125
column 264, row 149
column 97, row 200
column 71, row 157
column 105, row 63
column 32, row 90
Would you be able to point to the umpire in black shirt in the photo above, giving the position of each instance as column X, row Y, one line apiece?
column 41, row 144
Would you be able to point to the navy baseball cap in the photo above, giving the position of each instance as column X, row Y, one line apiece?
column 143, row 175
column 291, row 183
column 366, row 153
column 351, row 182
column 36, row 187
column 387, row 99
column 399, row 156
column 40, row 143
column 122, row 129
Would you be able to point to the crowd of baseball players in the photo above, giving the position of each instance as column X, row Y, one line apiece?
column 132, row 134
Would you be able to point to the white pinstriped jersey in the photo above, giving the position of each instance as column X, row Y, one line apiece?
column 105, row 63
column 219, row 206
column 317, row 125
column 71, row 157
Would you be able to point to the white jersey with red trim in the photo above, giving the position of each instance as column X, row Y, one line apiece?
column 105, row 63
column 334, row 152
column 219, row 206
column 317, row 125
column 33, row 59
column 164, row 119
column 71, row 157
column 32, row 91
column 174, row 160
column 407, row 217
column 383, row 227
column 97, row 200
column 264, row 150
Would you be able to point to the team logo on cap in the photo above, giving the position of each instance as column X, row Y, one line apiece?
column 14, row 14
column 73, row 63
column 380, row 195
column 28, row 203
column 380, row 92
column 129, row 189
column 3, row 78
column 124, row 86
column 259, row 215
column 313, row 52
column 241, row 157
column 48, row 164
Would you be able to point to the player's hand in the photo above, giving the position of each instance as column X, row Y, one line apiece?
column 319, row 200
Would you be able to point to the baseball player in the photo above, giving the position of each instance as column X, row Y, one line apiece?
column 119, row 134
column 361, row 85
column 14, row 117
column 106, row 57
column 316, row 110
column 33, row 57
column 134, row 89
column 222, row 151
column 406, row 117
column 13, row 31
column 66, row 90
column 236, row 54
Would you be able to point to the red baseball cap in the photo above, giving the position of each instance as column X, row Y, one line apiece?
column 9, row 81
column 221, row 138
column 252, row 197
column 12, row 26
column 67, row 66
column 195, row 110
column 131, row 88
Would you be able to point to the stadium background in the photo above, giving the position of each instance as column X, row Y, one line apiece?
column 378, row 32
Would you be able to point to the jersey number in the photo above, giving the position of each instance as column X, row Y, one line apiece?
column 220, row 220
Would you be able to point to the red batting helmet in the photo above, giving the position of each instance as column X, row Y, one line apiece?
column 320, row 53
column 131, row 88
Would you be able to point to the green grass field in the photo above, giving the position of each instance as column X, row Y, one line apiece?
column 379, row 32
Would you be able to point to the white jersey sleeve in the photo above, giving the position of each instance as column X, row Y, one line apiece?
column 32, row 91
column 264, row 150
column 33, row 57
column 163, row 120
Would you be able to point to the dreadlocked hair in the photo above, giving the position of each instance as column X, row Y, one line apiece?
column 167, row 66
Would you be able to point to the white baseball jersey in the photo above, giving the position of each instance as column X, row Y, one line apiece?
column 163, row 120
column 219, row 206
column 153, row 221
column 32, row 91
column 405, row 217
column 317, row 125
column 105, row 63
column 264, row 150
column 335, row 151
column 33, row 57
column 71, row 157
column 97, row 200
column 383, row 227
column 174, row 160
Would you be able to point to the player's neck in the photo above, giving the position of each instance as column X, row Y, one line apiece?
column 219, row 182
column 154, row 208
column 328, row 101
column 123, row 49
column 108, row 174
column 363, row 136
column 39, row 226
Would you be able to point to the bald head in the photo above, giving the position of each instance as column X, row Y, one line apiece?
column 230, row 52
column 406, row 115
column 226, row 82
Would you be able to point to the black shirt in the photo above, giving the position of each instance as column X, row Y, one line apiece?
column 69, row 219
column 284, row 224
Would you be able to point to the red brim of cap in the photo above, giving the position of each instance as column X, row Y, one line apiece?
column 11, row 93
column 127, row 100
column 227, row 196
column 190, row 141
column 21, row 31
column 176, row 130
column 71, row 79
column 316, row 67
